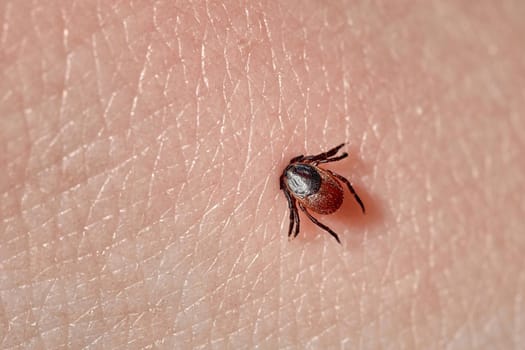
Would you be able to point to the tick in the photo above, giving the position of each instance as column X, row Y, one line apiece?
column 310, row 187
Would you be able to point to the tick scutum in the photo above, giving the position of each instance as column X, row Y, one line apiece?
column 303, row 179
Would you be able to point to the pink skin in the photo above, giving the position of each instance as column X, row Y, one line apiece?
column 141, row 147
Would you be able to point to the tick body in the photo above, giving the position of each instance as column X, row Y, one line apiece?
column 310, row 187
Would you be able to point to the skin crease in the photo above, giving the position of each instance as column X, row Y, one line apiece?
column 141, row 145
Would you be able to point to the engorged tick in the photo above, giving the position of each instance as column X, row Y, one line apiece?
column 311, row 187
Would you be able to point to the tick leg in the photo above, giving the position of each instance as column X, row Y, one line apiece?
column 350, row 188
column 296, row 159
column 315, row 221
column 294, row 215
column 297, row 223
column 334, row 159
column 293, row 212
column 292, row 222
column 324, row 155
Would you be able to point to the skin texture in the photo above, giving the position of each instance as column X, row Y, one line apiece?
column 141, row 145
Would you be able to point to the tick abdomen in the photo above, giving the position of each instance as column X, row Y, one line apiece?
column 328, row 199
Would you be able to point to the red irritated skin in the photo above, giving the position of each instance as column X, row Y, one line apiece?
column 310, row 187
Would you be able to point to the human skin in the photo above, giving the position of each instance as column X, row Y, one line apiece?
column 141, row 146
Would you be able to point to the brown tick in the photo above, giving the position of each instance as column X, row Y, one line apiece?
column 305, row 184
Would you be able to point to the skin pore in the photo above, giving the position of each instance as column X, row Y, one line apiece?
column 142, row 143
